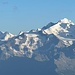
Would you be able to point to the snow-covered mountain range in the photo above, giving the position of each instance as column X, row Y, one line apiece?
column 54, row 42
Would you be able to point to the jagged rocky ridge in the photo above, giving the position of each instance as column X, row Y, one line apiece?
column 54, row 42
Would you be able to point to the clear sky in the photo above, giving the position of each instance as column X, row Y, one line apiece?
column 24, row 15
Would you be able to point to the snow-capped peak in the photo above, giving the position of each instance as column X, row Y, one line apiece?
column 63, row 28
column 5, row 35
column 21, row 32
column 65, row 20
column 8, row 35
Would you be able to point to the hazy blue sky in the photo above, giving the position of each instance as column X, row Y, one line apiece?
column 23, row 15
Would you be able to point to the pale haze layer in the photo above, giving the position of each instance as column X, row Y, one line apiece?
column 24, row 15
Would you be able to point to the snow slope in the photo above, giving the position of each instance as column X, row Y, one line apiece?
column 64, row 28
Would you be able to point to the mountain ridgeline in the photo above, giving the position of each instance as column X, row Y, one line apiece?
column 46, row 51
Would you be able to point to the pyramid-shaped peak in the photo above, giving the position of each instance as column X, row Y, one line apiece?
column 65, row 20
column 21, row 32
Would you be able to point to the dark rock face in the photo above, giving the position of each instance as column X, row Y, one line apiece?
column 25, row 66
